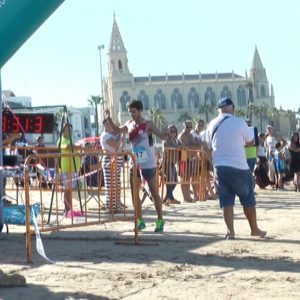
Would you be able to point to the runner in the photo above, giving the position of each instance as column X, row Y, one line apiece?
column 140, row 133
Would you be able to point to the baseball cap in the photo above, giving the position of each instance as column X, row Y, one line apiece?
column 225, row 102
column 269, row 126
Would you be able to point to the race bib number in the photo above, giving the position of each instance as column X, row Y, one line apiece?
column 140, row 154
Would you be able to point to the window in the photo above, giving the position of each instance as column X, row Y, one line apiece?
column 160, row 99
column 124, row 99
column 176, row 99
column 226, row 93
column 262, row 91
column 210, row 97
column 193, row 98
column 144, row 98
column 120, row 65
column 241, row 96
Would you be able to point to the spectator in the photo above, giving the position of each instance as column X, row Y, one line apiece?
column 251, row 151
column 279, row 159
column 295, row 159
column 40, row 141
column 270, row 142
column 226, row 137
column 7, row 139
column 70, row 166
column 199, row 132
column 188, row 166
column 171, row 163
column 112, row 165
column 91, row 164
column 261, row 152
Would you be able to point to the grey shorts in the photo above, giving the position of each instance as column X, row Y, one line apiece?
column 147, row 174
column 233, row 182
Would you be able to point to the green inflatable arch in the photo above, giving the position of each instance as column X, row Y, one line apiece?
column 19, row 19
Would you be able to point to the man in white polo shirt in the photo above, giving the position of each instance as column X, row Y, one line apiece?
column 226, row 137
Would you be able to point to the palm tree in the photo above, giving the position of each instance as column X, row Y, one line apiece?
column 253, row 110
column 262, row 110
column 154, row 112
column 184, row 116
column 249, row 85
column 157, row 117
column 272, row 114
column 206, row 109
column 162, row 121
column 291, row 116
column 240, row 111
column 63, row 112
column 94, row 101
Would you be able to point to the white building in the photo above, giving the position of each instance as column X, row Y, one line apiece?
column 8, row 95
column 181, row 93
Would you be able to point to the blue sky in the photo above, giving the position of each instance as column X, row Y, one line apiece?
column 59, row 64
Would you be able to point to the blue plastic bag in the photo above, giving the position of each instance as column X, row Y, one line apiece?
column 15, row 214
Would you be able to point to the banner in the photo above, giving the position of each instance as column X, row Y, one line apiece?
column 19, row 19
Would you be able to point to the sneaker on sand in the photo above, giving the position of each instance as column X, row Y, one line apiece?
column 159, row 225
column 140, row 225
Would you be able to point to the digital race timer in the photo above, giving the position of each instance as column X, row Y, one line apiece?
column 27, row 123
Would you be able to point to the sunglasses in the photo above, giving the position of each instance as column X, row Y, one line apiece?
column 188, row 126
column 173, row 131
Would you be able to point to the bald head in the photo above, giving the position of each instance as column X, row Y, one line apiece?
column 229, row 109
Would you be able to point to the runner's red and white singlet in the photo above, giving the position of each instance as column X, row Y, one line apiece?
column 140, row 145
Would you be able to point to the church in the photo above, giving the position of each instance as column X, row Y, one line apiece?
column 181, row 94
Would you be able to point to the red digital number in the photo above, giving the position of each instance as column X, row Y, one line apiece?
column 4, row 124
column 38, row 124
column 16, row 124
column 27, row 125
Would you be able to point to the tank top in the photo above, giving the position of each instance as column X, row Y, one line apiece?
column 142, row 145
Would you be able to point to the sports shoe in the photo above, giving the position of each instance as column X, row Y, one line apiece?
column 140, row 224
column 159, row 225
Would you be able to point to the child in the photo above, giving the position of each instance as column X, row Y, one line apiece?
column 279, row 159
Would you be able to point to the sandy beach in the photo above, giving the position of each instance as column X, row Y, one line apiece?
column 190, row 260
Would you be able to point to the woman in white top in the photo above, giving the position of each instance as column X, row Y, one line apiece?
column 262, row 152
column 110, row 142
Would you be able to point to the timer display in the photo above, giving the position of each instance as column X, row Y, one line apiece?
column 27, row 123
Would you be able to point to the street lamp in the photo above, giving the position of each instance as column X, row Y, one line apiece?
column 101, row 47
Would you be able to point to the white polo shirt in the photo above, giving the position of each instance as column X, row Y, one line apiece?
column 196, row 136
column 228, row 142
column 270, row 145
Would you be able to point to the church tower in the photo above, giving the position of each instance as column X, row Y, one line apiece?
column 259, row 77
column 117, row 55
column 119, row 76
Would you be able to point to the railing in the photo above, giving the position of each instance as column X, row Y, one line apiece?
column 85, row 206
column 185, row 167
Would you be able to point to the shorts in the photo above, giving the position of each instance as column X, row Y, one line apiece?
column 233, row 182
column 262, row 159
column 147, row 174
column 69, row 180
column 280, row 166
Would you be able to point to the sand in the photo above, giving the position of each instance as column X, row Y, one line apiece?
column 190, row 260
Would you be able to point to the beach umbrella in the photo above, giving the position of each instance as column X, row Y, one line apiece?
column 94, row 140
